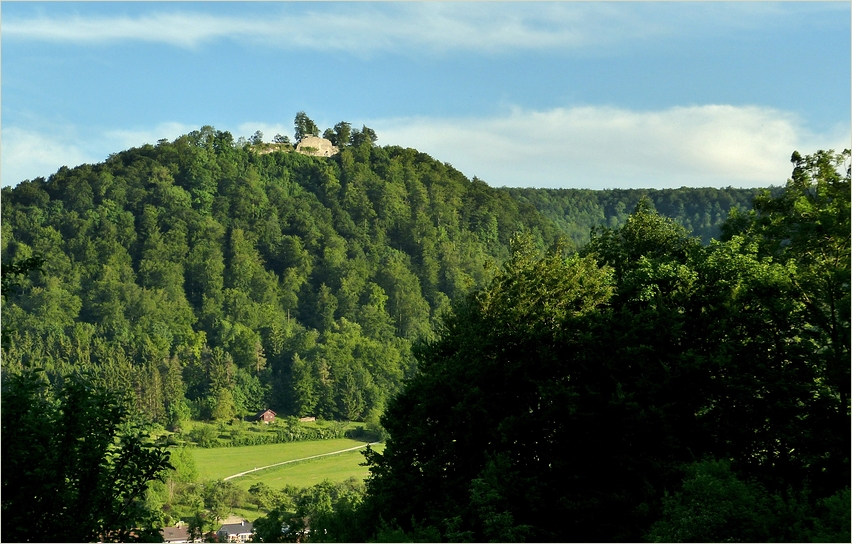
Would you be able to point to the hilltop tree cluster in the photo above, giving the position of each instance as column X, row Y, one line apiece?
column 341, row 135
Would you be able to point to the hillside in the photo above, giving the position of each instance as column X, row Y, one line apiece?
column 207, row 280
column 204, row 279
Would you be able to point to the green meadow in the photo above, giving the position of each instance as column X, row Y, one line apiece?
column 335, row 468
column 218, row 463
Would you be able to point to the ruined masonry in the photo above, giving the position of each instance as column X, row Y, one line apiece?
column 317, row 147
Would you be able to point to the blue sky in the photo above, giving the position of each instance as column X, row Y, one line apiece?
column 587, row 94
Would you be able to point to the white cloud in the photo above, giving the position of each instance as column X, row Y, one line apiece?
column 600, row 147
column 364, row 28
column 28, row 154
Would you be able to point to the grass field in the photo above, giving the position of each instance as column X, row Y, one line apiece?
column 313, row 471
column 216, row 463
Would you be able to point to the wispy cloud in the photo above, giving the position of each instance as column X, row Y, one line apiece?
column 600, row 147
column 363, row 28
column 28, row 154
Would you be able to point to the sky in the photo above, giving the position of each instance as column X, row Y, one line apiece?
column 519, row 94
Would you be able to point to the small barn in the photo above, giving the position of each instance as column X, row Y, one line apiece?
column 266, row 416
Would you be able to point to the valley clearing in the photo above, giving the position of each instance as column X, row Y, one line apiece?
column 296, row 463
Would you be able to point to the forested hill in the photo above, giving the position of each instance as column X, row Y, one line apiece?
column 207, row 278
column 201, row 269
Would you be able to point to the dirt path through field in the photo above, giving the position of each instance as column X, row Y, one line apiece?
column 297, row 460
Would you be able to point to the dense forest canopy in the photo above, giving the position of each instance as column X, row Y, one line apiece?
column 201, row 270
column 542, row 360
column 575, row 211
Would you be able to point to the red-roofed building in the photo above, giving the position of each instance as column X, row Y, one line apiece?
column 266, row 416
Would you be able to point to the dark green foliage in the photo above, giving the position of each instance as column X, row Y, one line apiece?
column 477, row 440
column 325, row 512
column 342, row 134
column 12, row 272
column 281, row 431
column 364, row 135
column 393, row 533
column 807, row 231
column 204, row 435
column 264, row 496
column 574, row 390
column 713, row 505
column 75, row 467
column 831, row 518
column 221, row 497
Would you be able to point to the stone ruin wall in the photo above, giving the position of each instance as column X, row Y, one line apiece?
column 322, row 146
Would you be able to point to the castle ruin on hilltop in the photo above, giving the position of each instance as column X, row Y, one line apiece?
column 316, row 147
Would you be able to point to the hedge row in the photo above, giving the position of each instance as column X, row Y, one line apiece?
column 210, row 437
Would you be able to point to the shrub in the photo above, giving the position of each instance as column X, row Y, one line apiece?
column 204, row 435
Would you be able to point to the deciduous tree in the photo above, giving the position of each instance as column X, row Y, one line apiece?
column 305, row 126
column 75, row 466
